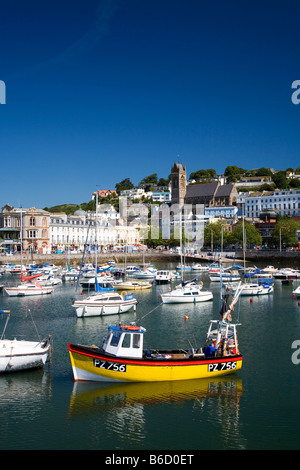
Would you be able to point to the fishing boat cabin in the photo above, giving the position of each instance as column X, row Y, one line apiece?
column 124, row 341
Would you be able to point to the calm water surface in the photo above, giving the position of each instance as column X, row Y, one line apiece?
column 257, row 408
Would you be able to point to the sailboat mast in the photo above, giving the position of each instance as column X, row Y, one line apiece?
column 180, row 222
column 96, row 234
column 21, row 238
column 244, row 254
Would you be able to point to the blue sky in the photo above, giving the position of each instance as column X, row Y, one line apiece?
column 102, row 90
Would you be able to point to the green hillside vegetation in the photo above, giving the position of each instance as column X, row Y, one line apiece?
column 70, row 209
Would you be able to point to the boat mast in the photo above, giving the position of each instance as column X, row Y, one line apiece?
column 244, row 245
column 96, row 235
column 21, row 239
column 180, row 235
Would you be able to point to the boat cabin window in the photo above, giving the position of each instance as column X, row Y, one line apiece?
column 114, row 298
column 126, row 341
column 136, row 340
column 115, row 338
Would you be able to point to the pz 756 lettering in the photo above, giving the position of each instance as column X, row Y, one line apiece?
column 221, row 366
column 110, row 365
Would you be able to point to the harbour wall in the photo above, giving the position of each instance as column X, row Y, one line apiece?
column 270, row 256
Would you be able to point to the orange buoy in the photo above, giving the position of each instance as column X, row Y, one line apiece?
column 251, row 300
column 186, row 317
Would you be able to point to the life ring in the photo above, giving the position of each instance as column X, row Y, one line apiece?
column 123, row 293
column 130, row 327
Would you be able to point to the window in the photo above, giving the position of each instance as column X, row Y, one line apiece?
column 126, row 341
column 31, row 234
column 136, row 340
column 115, row 338
column 32, row 222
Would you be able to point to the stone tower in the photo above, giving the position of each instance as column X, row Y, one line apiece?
column 178, row 183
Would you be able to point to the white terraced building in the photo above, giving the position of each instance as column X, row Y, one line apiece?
column 283, row 202
column 74, row 231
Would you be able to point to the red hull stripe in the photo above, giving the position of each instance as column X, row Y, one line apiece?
column 164, row 362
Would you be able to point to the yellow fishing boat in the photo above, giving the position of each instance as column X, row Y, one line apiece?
column 123, row 359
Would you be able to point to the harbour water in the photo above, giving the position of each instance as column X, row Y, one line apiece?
column 256, row 408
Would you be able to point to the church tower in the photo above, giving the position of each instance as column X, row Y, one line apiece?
column 178, row 183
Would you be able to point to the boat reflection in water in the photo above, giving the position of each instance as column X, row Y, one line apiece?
column 87, row 396
column 123, row 407
column 23, row 395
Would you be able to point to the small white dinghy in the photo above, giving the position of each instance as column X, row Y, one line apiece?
column 16, row 355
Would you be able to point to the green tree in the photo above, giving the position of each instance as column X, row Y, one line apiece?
column 280, row 180
column 294, row 183
column 233, row 173
column 123, row 185
column 263, row 172
column 212, row 235
column 154, row 242
column 210, row 173
column 163, row 182
column 151, row 179
column 285, row 232
column 251, row 235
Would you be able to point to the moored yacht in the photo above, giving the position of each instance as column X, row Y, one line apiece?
column 109, row 303
column 163, row 276
column 186, row 292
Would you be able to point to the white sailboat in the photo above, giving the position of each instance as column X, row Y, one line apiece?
column 258, row 287
column 186, row 292
column 30, row 285
column 69, row 274
column 109, row 303
column 253, row 288
column 222, row 276
column 16, row 355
